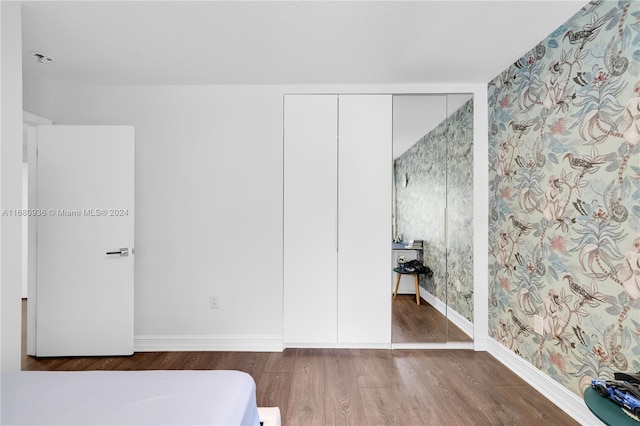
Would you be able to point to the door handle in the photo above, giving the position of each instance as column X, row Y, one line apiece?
column 121, row 252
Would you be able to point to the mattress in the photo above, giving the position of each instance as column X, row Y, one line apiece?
column 210, row 397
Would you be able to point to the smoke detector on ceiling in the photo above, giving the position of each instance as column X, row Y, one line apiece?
column 41, row 58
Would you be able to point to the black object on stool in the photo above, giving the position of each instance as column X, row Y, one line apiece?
column 415, row 268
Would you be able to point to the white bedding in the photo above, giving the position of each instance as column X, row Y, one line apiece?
column 176, row 397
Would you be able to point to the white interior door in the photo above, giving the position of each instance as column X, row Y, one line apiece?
column 30, row 142
column 85, row 263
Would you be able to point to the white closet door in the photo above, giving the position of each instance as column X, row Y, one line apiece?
column 310, row 194
column 364, row 220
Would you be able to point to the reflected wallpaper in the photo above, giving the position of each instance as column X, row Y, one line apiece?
column 439, row 176
column 564, row 176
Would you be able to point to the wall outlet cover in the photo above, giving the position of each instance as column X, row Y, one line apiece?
column 214, row 303
column 538, row 324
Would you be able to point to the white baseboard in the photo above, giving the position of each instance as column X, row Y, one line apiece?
column 566, row 400
column 334, row 345
column 480, row 343
column 168, row 343
column 461, row 322
column 430, row 346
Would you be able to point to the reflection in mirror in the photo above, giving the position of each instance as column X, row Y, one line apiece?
column 422, row 129
column 459, row 172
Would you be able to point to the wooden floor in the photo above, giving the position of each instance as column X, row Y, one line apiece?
column 359, row 386
column 413, row 323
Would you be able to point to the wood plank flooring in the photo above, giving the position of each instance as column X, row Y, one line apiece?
column 413, row 323
column 359, row 386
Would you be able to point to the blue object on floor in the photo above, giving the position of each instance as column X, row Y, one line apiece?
column 606, row 410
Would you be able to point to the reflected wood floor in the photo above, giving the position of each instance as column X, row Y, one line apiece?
column 413, row 323
column 359, row 386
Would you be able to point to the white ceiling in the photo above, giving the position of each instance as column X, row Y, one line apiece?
column 284, row 42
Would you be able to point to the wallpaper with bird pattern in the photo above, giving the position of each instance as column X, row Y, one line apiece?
column 564, row 206
column 439, row 168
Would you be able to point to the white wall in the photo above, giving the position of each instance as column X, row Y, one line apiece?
column 209, row 203
column 42, row 94
column 10, row 183
column 208, row 207
column 25, row 232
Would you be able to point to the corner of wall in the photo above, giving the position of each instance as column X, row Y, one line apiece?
column 480, row 214
column 564, row 399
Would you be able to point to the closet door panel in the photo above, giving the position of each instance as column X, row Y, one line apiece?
column 310, row 194
column 364, row 219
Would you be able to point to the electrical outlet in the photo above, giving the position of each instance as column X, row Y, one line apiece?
column 538, row 324
column 214, row 302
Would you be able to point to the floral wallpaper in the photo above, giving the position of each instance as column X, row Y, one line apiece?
column 564, row 176
column 439, row 168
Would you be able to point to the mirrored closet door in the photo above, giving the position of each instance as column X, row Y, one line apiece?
column 432, row 218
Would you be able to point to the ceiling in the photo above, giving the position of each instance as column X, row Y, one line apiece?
column 284, row 42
